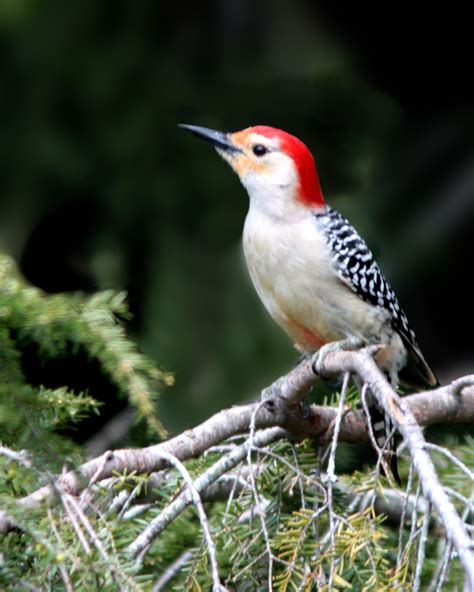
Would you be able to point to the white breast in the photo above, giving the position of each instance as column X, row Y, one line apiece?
column 292, row 271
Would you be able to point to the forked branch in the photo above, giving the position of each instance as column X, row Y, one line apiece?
column 449, row 404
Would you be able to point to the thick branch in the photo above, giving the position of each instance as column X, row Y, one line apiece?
column 441, row 405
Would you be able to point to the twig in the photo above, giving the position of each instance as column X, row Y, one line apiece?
column 414, row 519
column 443, row 569
column 456, row 494
column 409, row 487
column 171, row 571
column 370, row 428
column 232, row 493
column 19, row 457
column 299, row 476
column 95, row 477
column 221, row 490
column 331, row 470
column 183, row 500
column 137, row 510
column 331, row 474
column 452, row 458
column 362, row 363
column 62, row 567
column 421, row 549
column 118, row 501
column 443, row 405
column 453, row 403
column 75, row 524
column 260, row 508
column 443, row 574
column 86, row 524
column 130, row 498
column 211, row 548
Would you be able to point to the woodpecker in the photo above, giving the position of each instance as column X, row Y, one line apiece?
column 313, row 272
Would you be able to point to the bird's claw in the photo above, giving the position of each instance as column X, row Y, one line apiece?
column 305, row 408
column 335, row 346
column 461, row 383
column 270, row 395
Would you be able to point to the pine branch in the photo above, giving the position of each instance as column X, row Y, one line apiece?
column 362, row 363
column 450, row 404
column 225, row 464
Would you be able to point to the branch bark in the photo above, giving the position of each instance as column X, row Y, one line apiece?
column 362, row 363
column 449, row 404
column 182, row 501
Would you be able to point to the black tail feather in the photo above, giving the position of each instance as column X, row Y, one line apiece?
column 394, row 467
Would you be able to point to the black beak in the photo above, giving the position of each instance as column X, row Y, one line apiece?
column 219, row 139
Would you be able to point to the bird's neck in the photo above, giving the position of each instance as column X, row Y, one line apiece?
column 277, row 204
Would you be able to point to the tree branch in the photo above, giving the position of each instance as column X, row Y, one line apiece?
column 449, row 404
column 182, row 501
column 399, row 411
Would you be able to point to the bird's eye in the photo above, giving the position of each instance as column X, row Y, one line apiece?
column 259, row 150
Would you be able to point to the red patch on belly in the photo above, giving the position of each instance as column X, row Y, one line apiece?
column 305, row 340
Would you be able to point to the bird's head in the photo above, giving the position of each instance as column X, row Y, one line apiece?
column 276, row 168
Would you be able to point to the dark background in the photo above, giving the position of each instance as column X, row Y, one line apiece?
column 99, row 189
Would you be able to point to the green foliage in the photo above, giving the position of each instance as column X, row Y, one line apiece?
column 92, row 550
column 277, row 503
column 59, row 326
column 33, row 416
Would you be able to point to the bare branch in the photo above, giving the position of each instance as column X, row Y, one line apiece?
column 450, row 404
column 20, row 457
column 362, row 363
column 259, row 501
column 421, row 549
column 171, row 571
column 223, row 465
column 62, row 568
column 331, row 472
column 196, row 498
column 452, row 458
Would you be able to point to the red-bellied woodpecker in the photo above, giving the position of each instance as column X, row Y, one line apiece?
column 313, row 272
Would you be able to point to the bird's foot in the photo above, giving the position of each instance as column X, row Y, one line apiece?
column 272, row 399
column 304, row 357
column 271, row 396
column 335, row 346
column 460, row 383
column 305, row 407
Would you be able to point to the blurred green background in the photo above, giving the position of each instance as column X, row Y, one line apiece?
column 99, row 189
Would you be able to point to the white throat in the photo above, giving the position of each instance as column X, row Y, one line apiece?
column 273, row 194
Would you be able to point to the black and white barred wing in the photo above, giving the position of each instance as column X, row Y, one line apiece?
column 358, row 269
